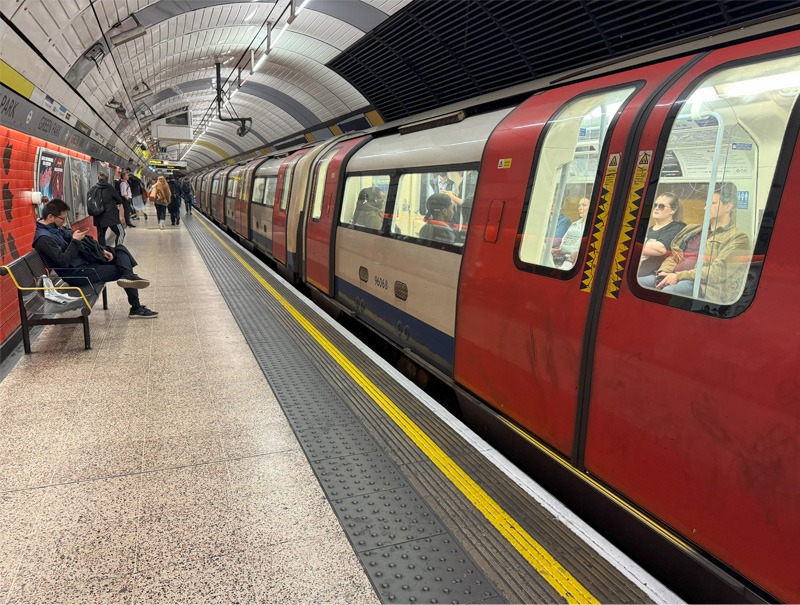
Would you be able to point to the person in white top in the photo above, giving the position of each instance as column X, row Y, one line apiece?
column 125, row 192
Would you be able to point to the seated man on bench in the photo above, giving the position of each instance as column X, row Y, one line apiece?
column 71, row 252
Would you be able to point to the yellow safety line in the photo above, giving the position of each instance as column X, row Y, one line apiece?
column 550, row 569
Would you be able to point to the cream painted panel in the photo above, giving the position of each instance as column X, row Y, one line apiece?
column 430, row 274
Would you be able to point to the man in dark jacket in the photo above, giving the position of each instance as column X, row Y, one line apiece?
column 110, row 215
column 75, row 257
column 175, row 203
column 139, row 193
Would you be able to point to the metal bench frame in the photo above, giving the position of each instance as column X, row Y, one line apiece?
column 35, row 309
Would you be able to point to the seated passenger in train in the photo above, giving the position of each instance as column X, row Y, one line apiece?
column 666, row 223
column 369, row 208
column 438, row 219
column 726, row 257
column 566, row 252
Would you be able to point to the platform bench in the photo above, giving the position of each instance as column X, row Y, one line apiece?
column 35, row 309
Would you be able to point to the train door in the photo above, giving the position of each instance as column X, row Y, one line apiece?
column 328, row 182
column 281, row 210
column 262, row 202
column 697, row 354
column 547, row 179
column 232, row 186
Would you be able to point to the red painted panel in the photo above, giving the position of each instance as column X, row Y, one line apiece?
column 319, row 233
column 696, row 418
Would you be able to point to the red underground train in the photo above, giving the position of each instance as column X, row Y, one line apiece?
column 606, row 275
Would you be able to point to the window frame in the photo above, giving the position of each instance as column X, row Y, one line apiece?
column 762, row 237
column 591, row 217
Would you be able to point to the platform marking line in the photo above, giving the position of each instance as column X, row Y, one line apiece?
column 541, row 560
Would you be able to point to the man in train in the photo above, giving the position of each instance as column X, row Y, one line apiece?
column 76, row 257
column 726, row 256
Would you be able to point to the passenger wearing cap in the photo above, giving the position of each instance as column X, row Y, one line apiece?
column 438, row 219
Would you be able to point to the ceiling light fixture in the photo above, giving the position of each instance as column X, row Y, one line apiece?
column 126, row 36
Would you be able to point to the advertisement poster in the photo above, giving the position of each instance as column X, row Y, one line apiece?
column 51, row 174
column 79, row 178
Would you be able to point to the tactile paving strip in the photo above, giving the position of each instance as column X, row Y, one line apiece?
column 413, row 559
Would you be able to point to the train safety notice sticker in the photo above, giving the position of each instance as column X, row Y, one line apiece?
column 504, row 163
column 599, row 226
column 643, row 164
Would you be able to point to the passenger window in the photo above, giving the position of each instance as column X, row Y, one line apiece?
column 215, row 186
column 320, row 178
column 435, row 206
column 364, row 203
column 714, row 183
column 258, row 190
column 287, row 183
column 564, row 177
column 269, row 194
column 233, row 186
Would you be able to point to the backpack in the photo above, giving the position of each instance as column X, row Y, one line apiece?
column 94, row 201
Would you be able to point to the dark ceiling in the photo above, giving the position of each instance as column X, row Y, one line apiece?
column 437, row 52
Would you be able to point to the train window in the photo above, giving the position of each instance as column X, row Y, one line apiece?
column 269, row 194
column 259, row 186
column 364, row 203
column 215, row 186
column 565, row 173
column 716, row 174
column 287, row 183
column 233, row 186
column 320, row 178
column 434, row 206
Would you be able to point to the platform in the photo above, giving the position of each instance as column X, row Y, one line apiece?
column 243, row 447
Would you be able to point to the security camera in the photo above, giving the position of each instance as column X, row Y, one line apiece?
column 242, row 130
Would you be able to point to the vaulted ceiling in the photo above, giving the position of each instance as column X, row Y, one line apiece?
column 329, row 65
column 292, row 91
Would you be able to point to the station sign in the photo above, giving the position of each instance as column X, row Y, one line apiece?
column 168, row 164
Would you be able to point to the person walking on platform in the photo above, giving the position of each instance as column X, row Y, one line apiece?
column 138, row 193
column 187, row 191
column 75, row 256
column 125, row 193
column 175, row 200
column 163, row 196
column 109, row 218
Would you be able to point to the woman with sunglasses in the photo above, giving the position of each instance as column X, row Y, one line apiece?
column 666, row 224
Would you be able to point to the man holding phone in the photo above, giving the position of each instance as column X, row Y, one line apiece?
column 76, row 256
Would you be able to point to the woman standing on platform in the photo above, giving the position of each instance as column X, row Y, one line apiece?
column 163, row 196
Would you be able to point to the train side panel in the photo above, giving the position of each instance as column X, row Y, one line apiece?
column 406, row 291
column 693, row 411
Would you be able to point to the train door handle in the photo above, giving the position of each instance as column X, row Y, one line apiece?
column 492, row 230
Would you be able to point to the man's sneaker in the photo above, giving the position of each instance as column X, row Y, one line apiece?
column 132, row 281
column 131, row 225
column 142, row 313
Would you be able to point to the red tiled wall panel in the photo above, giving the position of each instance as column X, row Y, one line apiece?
column 17, row 217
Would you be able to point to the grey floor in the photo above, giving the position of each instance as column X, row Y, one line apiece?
column 158, row 467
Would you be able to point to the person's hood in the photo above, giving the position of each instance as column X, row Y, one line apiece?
column 104, row 185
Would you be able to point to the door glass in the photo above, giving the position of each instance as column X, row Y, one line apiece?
column 320, row 178
column 565, row 173
column 714, row 182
